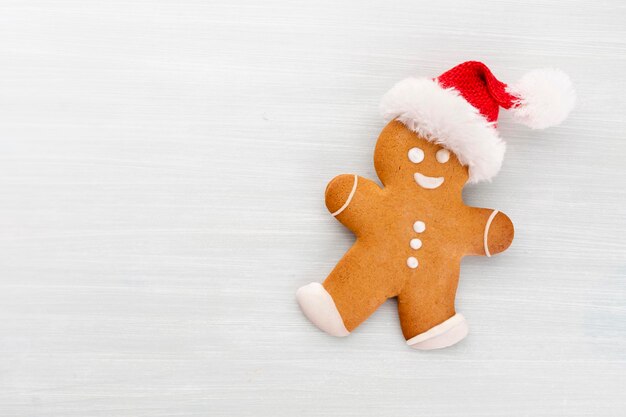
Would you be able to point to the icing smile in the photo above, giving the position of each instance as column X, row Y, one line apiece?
column 430, row 183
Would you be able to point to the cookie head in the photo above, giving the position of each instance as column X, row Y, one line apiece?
column 404, row 159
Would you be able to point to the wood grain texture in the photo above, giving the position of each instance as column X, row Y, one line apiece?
column 162, row 175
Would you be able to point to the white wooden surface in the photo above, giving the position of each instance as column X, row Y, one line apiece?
column 162, row 169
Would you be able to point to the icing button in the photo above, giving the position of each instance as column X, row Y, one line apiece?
column 412, row 262
column 416, row 243
column 419, row 226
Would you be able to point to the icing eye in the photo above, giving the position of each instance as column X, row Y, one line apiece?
column 416, row 155
column 443, row 156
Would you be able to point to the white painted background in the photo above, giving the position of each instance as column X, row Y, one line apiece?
column 162, row 170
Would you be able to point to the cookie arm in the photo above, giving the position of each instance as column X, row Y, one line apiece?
column 352, row 200
column 490, row 232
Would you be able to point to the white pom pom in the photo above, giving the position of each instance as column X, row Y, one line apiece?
column 545, row 96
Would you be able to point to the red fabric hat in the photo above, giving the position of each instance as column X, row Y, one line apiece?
column 459, row 110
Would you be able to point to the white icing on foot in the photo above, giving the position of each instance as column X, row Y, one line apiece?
column 416, row 155
column 443, row 156
column 443, row 335
column 430, row 183
column 419, row 226
column 416, row 243
column 319, row 307
column 412, row 262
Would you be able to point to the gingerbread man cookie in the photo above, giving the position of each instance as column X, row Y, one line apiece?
column 412, row 233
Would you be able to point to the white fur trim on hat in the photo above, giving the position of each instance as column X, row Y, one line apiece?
column 443, row 116
column 546, row 98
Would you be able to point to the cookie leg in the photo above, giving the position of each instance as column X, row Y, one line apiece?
column 319, row 307
column 445, row 334
column 351, row 293
column 427, row 314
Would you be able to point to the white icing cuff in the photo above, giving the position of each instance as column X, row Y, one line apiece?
column 486, row 235
column 319, row 307
column 347, row 203
column 443, row 335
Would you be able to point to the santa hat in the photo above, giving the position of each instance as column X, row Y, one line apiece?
column 459, row 110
